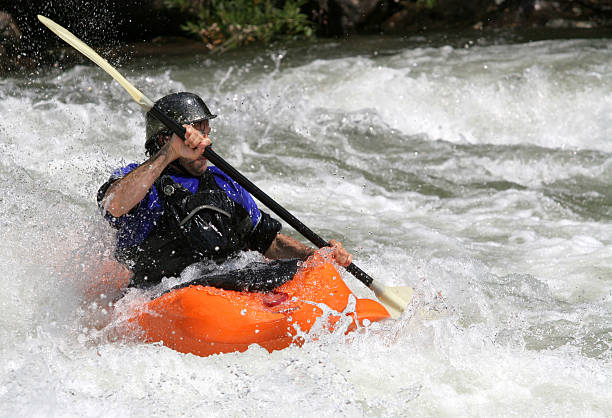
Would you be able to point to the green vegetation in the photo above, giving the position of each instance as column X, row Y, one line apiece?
column 428, row 4
column 223, row 24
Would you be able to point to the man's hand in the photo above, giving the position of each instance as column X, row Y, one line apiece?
column 192, row 147
column 343, row 257
column 284, row 246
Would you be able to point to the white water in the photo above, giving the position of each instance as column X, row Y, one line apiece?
column 482, row 173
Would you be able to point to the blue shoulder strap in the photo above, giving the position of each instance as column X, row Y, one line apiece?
column 237, row 193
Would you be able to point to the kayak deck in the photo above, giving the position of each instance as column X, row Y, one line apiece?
column 206, row 320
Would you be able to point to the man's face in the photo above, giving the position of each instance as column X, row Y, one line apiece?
column 197, row 167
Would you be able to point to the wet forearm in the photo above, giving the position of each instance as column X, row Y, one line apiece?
column 284, row 246
column 127, row 192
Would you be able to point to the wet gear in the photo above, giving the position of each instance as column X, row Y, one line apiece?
column 254, row 277
column 184, row 108
column 136, row 225
column 187, row 225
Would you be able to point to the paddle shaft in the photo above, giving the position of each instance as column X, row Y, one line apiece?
column 283, row 213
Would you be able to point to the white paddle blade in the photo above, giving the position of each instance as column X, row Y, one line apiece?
column 84, row 49
column 395, row 299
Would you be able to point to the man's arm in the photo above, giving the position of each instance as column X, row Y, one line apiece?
column 128, row 191
column 284, row 246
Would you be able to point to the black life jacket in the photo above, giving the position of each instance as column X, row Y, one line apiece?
column 193, row 227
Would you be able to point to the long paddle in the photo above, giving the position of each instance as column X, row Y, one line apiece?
column 395, row 299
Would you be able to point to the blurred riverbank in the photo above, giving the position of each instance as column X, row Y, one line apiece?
column 121, row 31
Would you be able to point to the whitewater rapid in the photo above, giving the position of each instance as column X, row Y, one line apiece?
column 480, row 174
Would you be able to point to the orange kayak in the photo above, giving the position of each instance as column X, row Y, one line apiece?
column 206, row 320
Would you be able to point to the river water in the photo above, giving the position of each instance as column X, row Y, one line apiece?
column 477, row 171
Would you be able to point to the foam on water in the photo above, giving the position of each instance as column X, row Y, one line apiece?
column 548, row 95
column 479, row 176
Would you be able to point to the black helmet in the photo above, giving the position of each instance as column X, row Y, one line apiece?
column 183, row 108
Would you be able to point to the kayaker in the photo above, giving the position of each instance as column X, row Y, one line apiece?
column 174, row 210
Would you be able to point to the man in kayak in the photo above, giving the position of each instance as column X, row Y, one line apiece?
column 173, row 210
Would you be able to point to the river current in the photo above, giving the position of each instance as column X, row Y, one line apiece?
column 478, row 172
